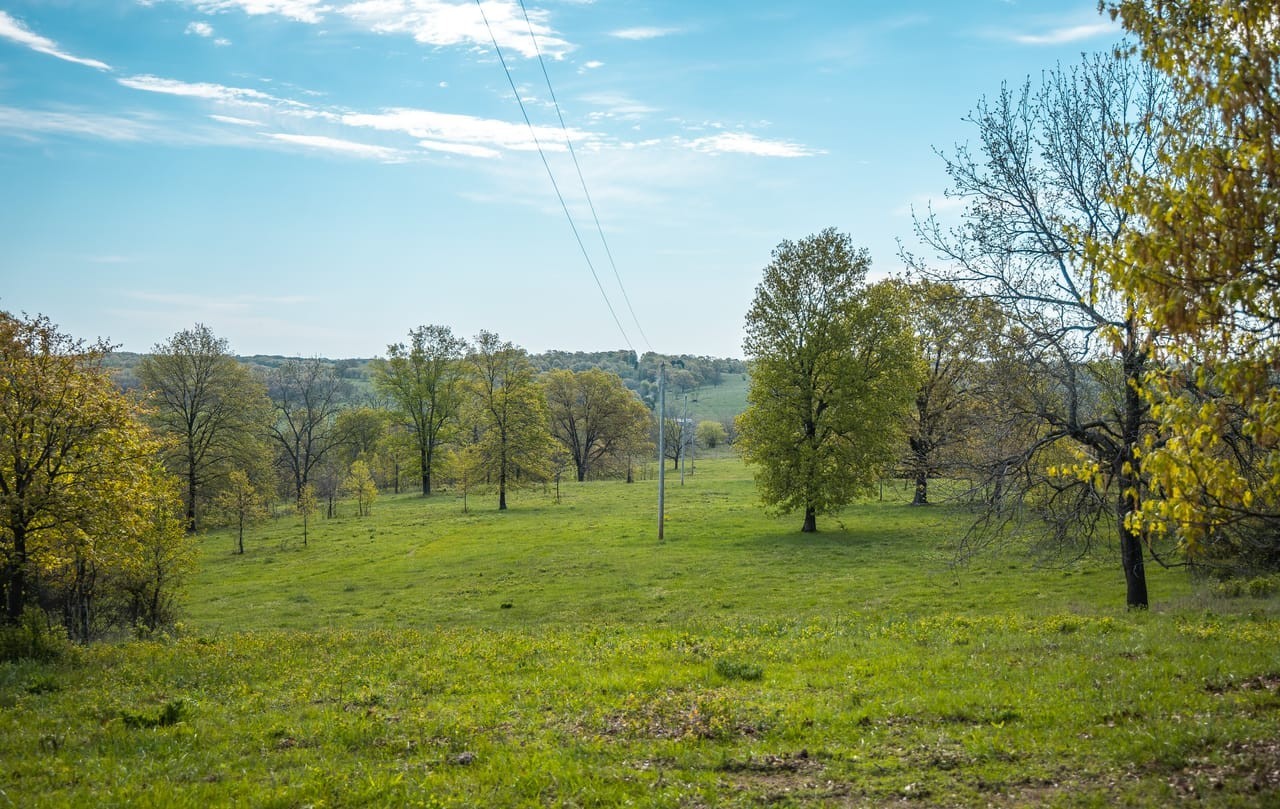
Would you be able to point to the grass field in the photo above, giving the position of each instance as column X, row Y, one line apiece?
column 558, row 655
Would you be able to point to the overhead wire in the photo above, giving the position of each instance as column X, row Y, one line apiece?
column 581, row 179
column 551, row 175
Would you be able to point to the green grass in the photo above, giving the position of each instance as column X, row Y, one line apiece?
column 558, row 655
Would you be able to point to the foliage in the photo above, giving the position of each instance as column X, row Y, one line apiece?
column 306, row 505
column 1038, row 191
column 834, row 369
column 959, row 340
column 359, row 485
column 595, row 418
column 1205, row 267
column 509, row 412
column 209, row 405
column 711, row 434
column 241, row 504
column 424, row 382
column 84, row 513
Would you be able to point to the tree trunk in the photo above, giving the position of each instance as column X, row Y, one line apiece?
column 16, row 575
column 502, row 490
column 922, row 488
column 582, row 472
column 810, row 521
column 191, row 498
column 425, row 458
column 1129, row 478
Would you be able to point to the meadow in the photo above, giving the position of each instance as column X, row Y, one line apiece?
column 558, row 655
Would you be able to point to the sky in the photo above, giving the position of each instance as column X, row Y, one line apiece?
column 319, row 177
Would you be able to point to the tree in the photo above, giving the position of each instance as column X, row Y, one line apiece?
column 306, row 506
column 80, row 499
column 209, row 404
column 359, row 484
column 594, row 416
column 511, row 414
column 833, row 371
column 711, row 434
column 306, row 397
column 1041, row 188
column 424, row 380
column 958, row 336
column 242, row 504
column 1204, row 265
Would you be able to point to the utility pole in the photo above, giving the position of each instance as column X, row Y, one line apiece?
column 662, row 445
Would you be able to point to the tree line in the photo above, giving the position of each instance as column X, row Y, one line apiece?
column 1096, row 333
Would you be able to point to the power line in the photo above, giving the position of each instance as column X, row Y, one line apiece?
column 581, row 179
column 545, row 164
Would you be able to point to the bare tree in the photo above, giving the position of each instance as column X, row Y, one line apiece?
column 1048, row 168
column 306, row 396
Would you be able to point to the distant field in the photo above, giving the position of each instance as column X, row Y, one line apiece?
column 558, row 655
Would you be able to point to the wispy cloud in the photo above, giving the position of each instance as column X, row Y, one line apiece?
column 643, row 32
column 231, row 119
column 308, row 11
column 349, row 148
column 14, row 31
column 200, row 29
column 1066, row 33
column 617, row 105
column 439, row 23
column 744, row 143
column 27, row 123
column 205, row 90
column 441, row 128
column 433, row 22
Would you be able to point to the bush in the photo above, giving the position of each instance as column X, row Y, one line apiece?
column 32, row 638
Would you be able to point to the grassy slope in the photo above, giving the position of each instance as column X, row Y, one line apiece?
column 558, row 655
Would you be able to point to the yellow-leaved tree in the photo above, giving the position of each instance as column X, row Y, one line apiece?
column 89, row 523
column 1205, row 269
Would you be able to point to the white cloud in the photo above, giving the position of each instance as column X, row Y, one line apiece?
column 593, row 64
column 222, row 42
column 308, row 11
column 441, row 128
column 340, row 146
column 205, row 90
column 743, row 143
column 200, row 29
column 643, row 32
column 26, row 123
column 434, row 22
column 13, row 30
column 617, row 105
column 1065, row 34
column 230, row 119
column 459, row 148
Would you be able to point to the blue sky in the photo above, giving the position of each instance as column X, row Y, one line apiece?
column 317, row 177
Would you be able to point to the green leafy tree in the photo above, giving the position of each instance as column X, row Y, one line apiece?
column 711, row 434
column 306, row 505
column 1204, row 265
column 242, row 505
column 959, row 337
column 360, row 485
column 510, row 412
column 834, row 368
column 424, row 381
column 81, row 501
column 594, row 417
column 211, row 408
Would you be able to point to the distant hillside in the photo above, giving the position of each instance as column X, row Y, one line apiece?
column 704, row 387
